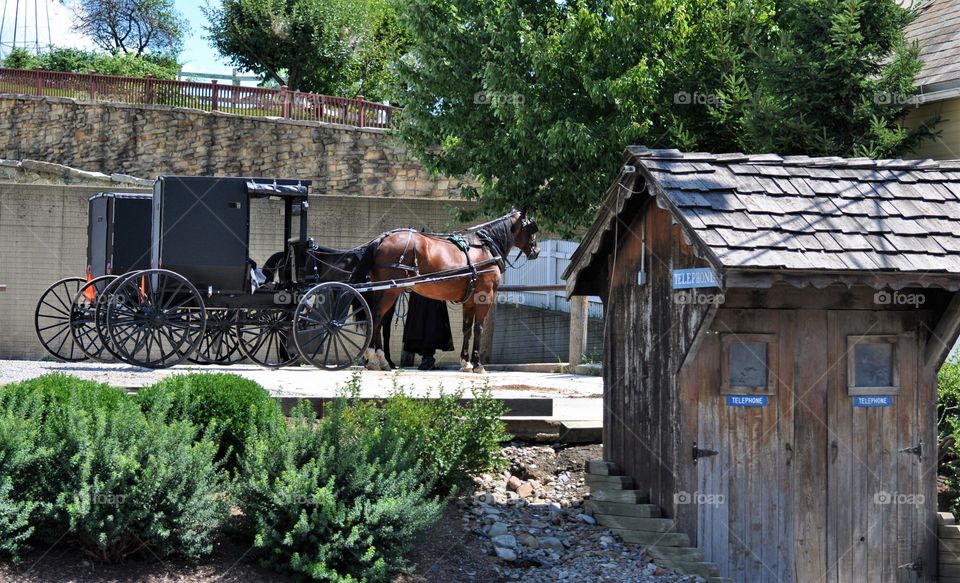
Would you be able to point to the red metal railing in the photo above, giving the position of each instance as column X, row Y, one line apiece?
column 255, row 101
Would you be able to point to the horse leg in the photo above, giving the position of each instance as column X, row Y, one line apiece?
column 468, row 312
column 385, row 331
column 370, row 354
column 385, row 303
column 480, row 316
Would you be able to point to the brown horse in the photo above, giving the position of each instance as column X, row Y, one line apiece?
column 479, row 255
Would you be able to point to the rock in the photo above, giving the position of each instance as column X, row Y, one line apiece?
column 497, row 529
column 528, row 540
column 505, row 554
column 587, row 518
column 505, row 541
column 552, row 543
column 555, row 508
column 513, row 483
column 607, row 540
column 525, row 490
column 489, row 510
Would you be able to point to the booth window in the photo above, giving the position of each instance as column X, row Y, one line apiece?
column 749, row 364
column 872, row 365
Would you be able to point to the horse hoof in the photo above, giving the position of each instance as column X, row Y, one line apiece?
column 478, row 369
column 382, row 360
column 466, row 366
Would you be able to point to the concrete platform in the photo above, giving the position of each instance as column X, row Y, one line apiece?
column 575, row 404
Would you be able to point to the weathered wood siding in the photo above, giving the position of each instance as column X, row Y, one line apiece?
column 645, row 342
column 797, row 481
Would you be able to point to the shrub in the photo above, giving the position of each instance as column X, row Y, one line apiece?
column 334, row 500
column 948, row 413
column 21, row 454
column 131, row 483
column 71, row 60
column 81, row 458
column 231, row 403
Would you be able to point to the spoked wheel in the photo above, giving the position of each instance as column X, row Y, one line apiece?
column 83, row 321
column 105, row 302
column 52, row 319
column 332, row 326
column 156, row 318
column 220, row 343
column 265, row 336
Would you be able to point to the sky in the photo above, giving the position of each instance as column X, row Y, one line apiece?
column 31, row 18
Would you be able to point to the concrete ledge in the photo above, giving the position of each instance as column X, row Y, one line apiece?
column 520, row 407
column 542, row 367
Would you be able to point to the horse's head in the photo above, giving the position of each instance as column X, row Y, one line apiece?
column 525, row 235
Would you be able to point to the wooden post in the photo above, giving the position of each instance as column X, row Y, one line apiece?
column 93, row 86
column 214, row 96
column 360, row 112
column 285, row 93
column 578, row 330
column 149, row 91
column 37, row 74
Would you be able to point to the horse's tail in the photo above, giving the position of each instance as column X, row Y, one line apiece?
column 362, row 271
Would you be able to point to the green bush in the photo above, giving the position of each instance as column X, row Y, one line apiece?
column 948, row 414
column 335, row 500
column 21, row 456
column 81, row 458
column 235, row 406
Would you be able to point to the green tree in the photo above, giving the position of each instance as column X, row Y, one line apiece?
column 338, row 47
column 131, row 26
column 537, row 99
column 70, row 60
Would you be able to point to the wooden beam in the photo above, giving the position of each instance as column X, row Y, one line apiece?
column 702, row 332
column 578, row 330
column 3, row 287
column 944, row 336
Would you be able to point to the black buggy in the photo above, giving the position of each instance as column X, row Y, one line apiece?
column 203, row 298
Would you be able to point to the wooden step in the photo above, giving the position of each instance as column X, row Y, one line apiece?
column 701, row 568
column 609, row 482
column 949, row 570
column 596, row 507
column 602, row 468
column 948, row 531
column 661, row 539
column 630, row 523
column 946, row 518
column 666, row 553
column 625, row 496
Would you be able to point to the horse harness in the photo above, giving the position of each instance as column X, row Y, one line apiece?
column 461, row 243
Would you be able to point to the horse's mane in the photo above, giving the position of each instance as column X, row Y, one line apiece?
column 498, row 231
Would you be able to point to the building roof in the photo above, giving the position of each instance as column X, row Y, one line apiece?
column 937, row 30
column 766, row 212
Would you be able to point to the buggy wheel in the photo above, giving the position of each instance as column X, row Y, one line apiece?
column 332, row 326
column 52, row 320
column 265, row 337
column 83, row 318
column 105, row 303
column 220, row 343
column 156, row 318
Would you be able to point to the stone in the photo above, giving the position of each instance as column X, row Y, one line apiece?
column 497, row 529
column 552, row 543
column 587, row 518
column 525, row 490
column 513, row 483
column 505, row 540
column 528, row 540
column 505, row 554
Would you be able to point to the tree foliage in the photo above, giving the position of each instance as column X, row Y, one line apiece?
column 131, row 26
column 338, row 47
column 70, row 60
column 537, row 99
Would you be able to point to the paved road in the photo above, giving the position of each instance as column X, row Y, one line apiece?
column 575, row 396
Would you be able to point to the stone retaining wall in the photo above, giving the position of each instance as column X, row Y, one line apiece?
column 147, row 141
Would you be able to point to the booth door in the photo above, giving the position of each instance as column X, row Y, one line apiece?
column 877, row 510
column 744, row 493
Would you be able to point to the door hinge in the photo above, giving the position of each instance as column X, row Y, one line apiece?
column 916, row 450
column 914, row 566
column 699, row 453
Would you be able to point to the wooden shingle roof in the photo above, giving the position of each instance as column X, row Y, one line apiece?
column 937, row 29
column 767, row 212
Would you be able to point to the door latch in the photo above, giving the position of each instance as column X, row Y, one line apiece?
column 916, row 450
column 914, row 566
column 699, row 453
